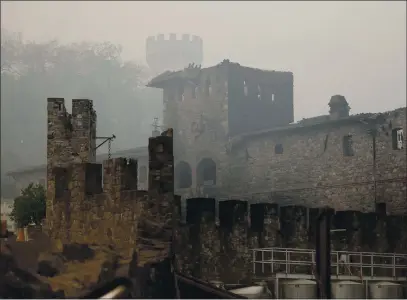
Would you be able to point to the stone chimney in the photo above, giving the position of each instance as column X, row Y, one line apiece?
column 156, row 128
column 339, row 107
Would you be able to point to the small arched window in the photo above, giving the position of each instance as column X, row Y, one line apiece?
column 194, row 92
column 258, row 92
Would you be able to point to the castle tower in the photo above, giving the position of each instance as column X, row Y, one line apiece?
column 71, row 139
column 173, row 54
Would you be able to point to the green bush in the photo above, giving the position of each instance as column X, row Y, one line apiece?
column 29, row 207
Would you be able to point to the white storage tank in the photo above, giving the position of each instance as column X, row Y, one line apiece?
column 299, row 289
column 348, row 290
column 252, row 292
column 386, row 290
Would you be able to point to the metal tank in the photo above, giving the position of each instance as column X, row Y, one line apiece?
column 348, row 290
column 299, row 289
column 253, row 292
column 386, row 290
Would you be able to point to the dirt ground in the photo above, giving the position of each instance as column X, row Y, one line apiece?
column 77, row 277
column 26, row 253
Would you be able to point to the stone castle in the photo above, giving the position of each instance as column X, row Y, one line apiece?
column 88, row 203
column 234, row 139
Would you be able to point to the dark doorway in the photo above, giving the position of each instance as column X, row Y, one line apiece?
column 183, row 175
column 206, row 172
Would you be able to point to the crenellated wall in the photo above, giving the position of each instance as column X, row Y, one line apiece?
column 85, row 210
column 172, row 53
column 91, row 203
column 221, row 234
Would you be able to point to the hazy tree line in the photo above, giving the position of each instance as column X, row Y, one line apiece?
column 32, row 72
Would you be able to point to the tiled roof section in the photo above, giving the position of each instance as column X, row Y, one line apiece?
column 134, row 153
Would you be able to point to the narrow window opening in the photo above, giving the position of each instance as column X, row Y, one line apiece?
column 208, row 88
column 59, row 106
column 258, row 92
column 347, row 146
column 181, row 93
column 278, row 149
column 245, row 88
column 194, row 92
column 397, row 138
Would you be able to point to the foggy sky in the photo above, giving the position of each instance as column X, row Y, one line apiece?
column 357, row 49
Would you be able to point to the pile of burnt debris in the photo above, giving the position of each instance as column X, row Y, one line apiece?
column 151, row 280
column 17, row 283
column 158, row 280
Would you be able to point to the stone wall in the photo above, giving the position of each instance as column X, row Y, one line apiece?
column 312, row 169
column 90, row 203
column 302, row 163
column 208, row 106
column 221, row 234
column 85, row 211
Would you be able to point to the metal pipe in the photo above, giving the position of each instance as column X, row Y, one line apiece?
column 323, row 253
column 116, row 293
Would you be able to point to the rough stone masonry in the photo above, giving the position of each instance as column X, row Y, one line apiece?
column 234, row 139
column 90, row 203
column 217, row 240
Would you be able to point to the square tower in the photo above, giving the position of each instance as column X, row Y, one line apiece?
column 207, row 107
column 71, row 139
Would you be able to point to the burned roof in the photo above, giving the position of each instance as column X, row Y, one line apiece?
column 317, row 122
column 192, row 73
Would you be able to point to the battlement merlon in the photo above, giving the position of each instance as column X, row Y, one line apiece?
column 58, row 118
column 71, row 137
column 189, row 47
column 173, row 38
column 119, row 174
column 161, row 164
column 83, row 115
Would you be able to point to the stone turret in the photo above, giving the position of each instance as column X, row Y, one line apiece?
column 173, row 53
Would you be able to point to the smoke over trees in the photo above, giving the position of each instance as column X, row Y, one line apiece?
column 32, row 72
